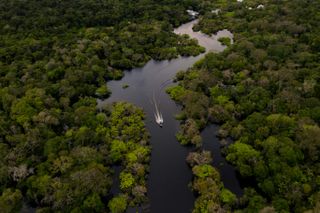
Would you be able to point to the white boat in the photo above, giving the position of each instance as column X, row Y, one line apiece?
column 159, row 119
column 157, row 114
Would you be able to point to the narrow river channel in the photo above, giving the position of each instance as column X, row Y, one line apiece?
column 169, row 174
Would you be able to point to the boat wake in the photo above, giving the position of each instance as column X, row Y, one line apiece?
column 157, row 114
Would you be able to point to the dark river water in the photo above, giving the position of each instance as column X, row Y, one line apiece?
column 169, row 174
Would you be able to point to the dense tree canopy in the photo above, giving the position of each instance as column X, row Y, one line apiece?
column 56, row 170
column 264, row 91
column 57, row 149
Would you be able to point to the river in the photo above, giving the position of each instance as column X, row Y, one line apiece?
column 169, row 174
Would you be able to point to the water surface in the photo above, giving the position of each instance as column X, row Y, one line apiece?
column 228, row 174
column 169, row 174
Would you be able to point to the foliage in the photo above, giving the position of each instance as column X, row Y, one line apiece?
column 189, row 134
column 102, row 91
column 176, row 92
column 228, row 197
column 118, row 204
column 55, row 57
column 10, row 201
column 213, row 197
column 57, row 149
column 126, row 180
column 264, row 91
column 225, row 41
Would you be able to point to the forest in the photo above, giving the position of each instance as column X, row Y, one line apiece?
column 264, row 91
column 58, row 150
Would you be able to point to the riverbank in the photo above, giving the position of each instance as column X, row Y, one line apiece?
column 169, row 174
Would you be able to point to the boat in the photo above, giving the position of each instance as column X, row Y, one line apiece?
column 159, row 119
column 157, row 114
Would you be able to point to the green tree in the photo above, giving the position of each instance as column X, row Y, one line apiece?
column 11, row 201
column 228, row 197
column 118, row 204
column 244, row 156
column 126, row 181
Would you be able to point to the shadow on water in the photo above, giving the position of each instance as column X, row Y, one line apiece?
column 229, row 175
column 169, row 174
column 115, row 188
